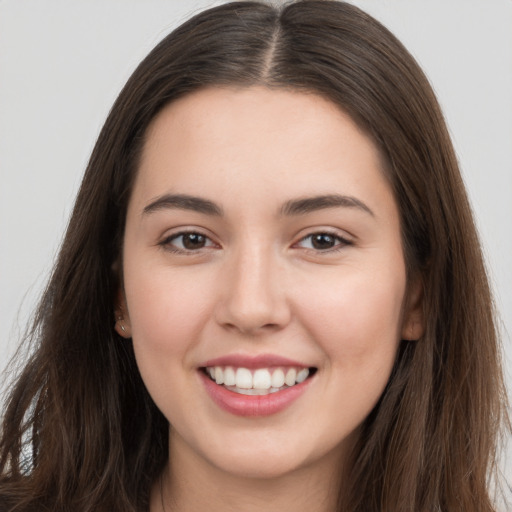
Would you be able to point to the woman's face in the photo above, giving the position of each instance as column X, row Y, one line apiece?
column 262, row 247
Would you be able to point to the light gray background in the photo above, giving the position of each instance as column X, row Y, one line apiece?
column 62, row 64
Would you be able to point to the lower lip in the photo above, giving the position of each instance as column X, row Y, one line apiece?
column 253, row 405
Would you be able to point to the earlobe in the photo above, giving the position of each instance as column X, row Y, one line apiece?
column 122, row 327
column 122, row 321
column 413, row 326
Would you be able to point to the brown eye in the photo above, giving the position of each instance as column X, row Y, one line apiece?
column 193, row 241
column 323, row 242
column 187, row 242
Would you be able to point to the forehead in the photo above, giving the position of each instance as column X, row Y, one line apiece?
column 256, row 140
column 256, row 110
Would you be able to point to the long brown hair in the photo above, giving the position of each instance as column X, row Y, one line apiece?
column 80, row 431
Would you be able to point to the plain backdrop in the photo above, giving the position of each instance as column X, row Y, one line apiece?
column 62, row 64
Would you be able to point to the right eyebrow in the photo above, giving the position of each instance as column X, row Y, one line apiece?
column 183, row 202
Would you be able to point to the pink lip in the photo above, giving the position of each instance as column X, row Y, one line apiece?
column 252, row 405
column 252, row 362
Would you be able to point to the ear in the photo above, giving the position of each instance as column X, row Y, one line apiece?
column 122, row 321
column 413, row 324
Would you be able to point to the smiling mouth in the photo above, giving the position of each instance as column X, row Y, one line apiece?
column 260, row 381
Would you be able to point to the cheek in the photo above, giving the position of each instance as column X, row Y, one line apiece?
column 357, row 320
column 167, row 313
column 167, row 309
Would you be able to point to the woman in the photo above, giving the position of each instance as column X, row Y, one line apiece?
column 271, row 292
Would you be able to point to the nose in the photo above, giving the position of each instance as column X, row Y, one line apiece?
column 253, row 293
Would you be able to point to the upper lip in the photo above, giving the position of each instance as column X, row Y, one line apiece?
column 252, row 362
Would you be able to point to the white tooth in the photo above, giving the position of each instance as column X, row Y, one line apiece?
column 243, row 378
column 291, row 375
column 261, row 379
column 278, row 378
column 211, row 372
column 302, row 375
column 229, row 376
column 219, row 375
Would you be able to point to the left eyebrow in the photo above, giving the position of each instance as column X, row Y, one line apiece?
column 306, row 205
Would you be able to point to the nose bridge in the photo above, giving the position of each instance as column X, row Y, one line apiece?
column 254, row 296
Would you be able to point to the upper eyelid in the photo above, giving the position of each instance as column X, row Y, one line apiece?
column 343, row 236
column 335, row 232
column 176, row 232
column 179, row 234
column 331, row 232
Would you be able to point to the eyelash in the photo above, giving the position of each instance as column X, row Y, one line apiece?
column 340, row 245
column 167, row 243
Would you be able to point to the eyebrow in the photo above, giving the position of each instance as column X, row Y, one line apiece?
column 183, row 202
column 312, row 204
column 293, row 207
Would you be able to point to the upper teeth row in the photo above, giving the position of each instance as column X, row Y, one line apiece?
column 262, row 378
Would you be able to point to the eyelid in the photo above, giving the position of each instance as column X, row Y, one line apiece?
column 165, row 241
column 343, row 240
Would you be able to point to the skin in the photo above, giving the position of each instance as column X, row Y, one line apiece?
column 260, row 286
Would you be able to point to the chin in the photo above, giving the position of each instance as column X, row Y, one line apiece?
column 268, row 468
column 266, row 459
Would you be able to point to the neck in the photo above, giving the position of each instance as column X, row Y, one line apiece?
column 191, row 484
